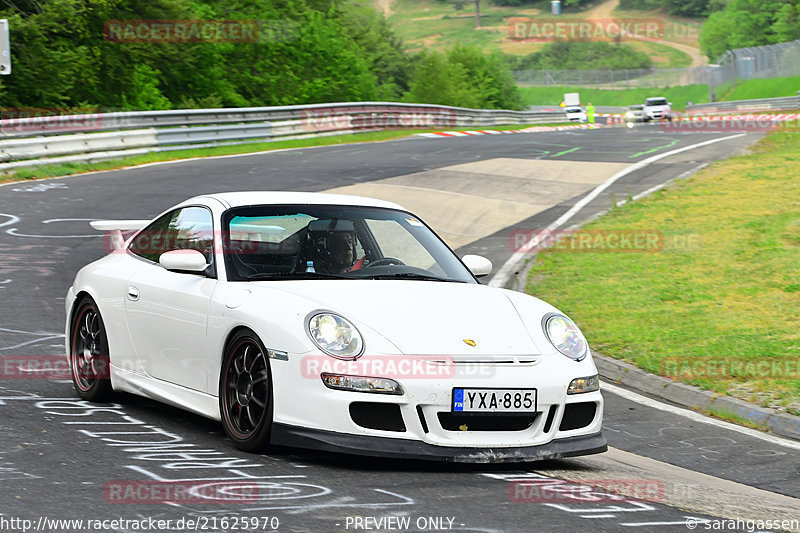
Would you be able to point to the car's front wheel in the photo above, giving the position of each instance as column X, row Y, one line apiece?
column 89, row 359
column 245, row 392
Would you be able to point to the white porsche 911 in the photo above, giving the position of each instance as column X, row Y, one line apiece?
column 330, row 322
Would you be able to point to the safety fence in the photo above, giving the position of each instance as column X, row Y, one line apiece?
column 789, row 103
column 642, row 78
column 29, row 141
column 780, row 60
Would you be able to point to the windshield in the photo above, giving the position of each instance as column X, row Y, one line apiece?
column 636, row 107
column 656, row 101
column 574, row 110
column 280, row 242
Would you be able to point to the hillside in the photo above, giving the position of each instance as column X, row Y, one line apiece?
column 439, row 24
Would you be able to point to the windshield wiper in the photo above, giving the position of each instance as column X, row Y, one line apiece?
column 412, row 275
column 295, row 275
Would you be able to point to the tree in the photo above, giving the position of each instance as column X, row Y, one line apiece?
column 715, row 34
column 745, row 23
column 787, row 24
column 464, row 77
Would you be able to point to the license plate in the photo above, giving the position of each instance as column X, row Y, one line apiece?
column 494, row 400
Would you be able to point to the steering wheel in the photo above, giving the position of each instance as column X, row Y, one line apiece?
column 384, row 261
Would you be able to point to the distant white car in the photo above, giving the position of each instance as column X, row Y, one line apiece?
column 331, row 322
column 635, row 113
column 576, row 114
column 658, row 108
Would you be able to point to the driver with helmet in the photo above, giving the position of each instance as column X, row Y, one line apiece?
column 334, row 246
column 342, row 253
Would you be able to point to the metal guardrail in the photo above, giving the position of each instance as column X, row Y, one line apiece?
column 94, row 137
column 788, row 103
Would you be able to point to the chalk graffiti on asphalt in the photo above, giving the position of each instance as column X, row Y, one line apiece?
column 162, row 455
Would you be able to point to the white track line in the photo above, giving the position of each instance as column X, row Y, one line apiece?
column 501, row 278
column 697, row 417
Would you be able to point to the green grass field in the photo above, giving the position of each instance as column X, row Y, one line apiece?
column 663, row 55
column 763, row 89
column 717, row 306
column 679, row 96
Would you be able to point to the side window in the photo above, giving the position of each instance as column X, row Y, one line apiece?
column 189, row 228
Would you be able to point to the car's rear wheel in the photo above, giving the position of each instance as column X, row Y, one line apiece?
column 245, row 392
column 89, row 359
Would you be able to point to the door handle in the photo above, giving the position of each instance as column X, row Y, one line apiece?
column 133, row 293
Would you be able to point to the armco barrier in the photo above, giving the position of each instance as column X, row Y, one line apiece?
column 93, row 137
column 788, row 103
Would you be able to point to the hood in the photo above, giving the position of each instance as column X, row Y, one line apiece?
column 421, row 317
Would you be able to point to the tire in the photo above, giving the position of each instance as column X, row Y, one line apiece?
column 245, row 392
column 89, row 358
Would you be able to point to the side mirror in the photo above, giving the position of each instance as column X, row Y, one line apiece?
column 183, row 261
column 478, row 265
column 669, row 103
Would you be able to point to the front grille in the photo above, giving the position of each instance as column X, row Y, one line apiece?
column 482, row 359
column 490, row 422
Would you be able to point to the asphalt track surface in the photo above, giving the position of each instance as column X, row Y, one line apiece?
column 56, row 463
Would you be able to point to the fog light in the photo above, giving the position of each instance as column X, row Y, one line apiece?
column 581, row 385
column 361, row 384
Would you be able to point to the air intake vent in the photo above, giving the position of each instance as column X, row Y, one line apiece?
column 374, row 415
column 578, row 415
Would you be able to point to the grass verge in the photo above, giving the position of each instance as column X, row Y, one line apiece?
column 66, row 169
column 679, row 96
column 774, row 88
column 716, row 307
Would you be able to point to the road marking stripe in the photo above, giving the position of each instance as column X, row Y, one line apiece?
column 502, row 276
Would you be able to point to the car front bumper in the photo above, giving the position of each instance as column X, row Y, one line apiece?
column 329, row 441
column 562, row 425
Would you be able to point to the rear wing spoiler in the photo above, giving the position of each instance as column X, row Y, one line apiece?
column 116, row 227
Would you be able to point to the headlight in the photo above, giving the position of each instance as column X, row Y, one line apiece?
column 582, row 385
column 565, row 336
column 361, row 384
column 335, row 335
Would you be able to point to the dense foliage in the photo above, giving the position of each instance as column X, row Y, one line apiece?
column 464, row 77
column 746, row 23
column 581, row 55
column 305, row 51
